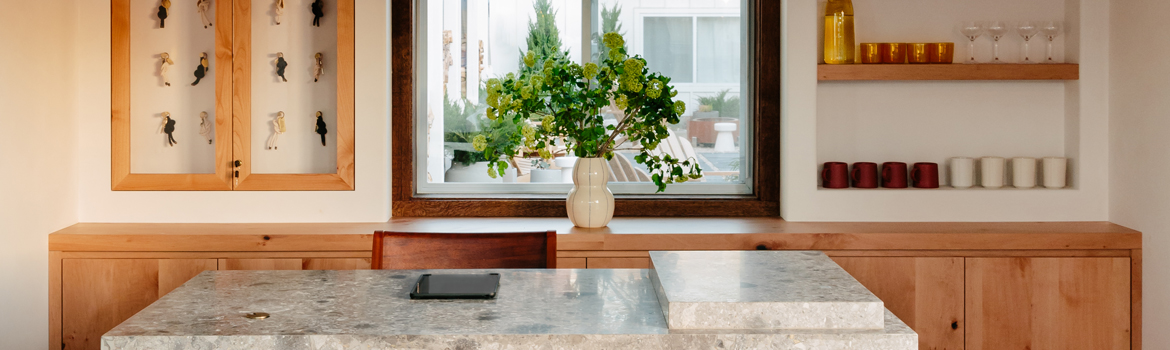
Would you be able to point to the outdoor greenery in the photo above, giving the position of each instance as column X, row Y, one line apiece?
column 609, row 24
column 561, row 102
column 544, row 39
column 727, row 107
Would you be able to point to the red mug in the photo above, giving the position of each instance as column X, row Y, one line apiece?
column 865, row 175
column 835, row 175
column 924, row 175
column 894, row 175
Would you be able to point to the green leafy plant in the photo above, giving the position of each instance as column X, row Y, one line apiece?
column 609, row 24
column 562, row 102
column 466, row 125
column 727, row 107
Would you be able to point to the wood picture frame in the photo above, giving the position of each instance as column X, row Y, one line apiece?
column 764, row 201
column 121, row 176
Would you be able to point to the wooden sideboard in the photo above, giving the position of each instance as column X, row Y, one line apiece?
column 1069, row 285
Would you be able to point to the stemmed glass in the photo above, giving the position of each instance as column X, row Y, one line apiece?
column 1051, row 30
column 997, row 29
column 1027, row 30
column 972, row 30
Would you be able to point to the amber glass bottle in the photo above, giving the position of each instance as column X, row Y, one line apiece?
column 839, row 32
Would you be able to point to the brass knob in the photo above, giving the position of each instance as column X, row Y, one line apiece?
column 257, row 315
column 238, row 163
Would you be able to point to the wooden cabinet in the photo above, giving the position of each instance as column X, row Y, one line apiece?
column 1048, row 303
column 242, row 108
column 98, row 294
column 926, row 293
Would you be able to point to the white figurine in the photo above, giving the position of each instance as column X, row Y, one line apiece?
column 204, row 6
column 277, row 129
column 204, row 127
column 279, row 9
column 318, row 66
column 165, row 66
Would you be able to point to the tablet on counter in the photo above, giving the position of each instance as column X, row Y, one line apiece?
column 456, row 286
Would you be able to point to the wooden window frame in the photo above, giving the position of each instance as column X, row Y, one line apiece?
column 765, row 200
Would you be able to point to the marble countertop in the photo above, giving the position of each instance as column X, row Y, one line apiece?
column 371, row 309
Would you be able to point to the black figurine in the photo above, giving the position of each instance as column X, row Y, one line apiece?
column 162, row 13
column 201, row 70
column 318, row 7
column 169, row 128
column 281, row 64
column 320, row 129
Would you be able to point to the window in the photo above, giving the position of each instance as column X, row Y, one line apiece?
column 456, row 45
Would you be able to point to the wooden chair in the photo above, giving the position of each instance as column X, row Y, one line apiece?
column 413, row 250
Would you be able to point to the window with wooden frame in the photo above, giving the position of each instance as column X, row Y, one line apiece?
column 215, row 124
column 728, row 52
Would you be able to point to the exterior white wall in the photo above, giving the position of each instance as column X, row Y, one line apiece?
column 38, row 155
column 1139, row 162
column 370, row 202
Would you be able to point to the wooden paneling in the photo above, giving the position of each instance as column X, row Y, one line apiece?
column 335, row 264
column 260, row 264
column 571, row 263
column 172, row 273
column 55, row 300
column 622, row 234
column 1065, row 71
column 926, row 293
column 618, row 263
column 101, row 293
column 1048, row 303
column 1135, row 296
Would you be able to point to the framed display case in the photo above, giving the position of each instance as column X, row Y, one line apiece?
column 161, row 141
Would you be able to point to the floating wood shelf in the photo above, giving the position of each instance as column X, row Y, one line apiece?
column 1064, row 71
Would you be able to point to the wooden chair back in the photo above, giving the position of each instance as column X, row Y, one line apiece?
column 414, row 250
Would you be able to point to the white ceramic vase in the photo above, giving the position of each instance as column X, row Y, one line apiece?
column 476, row 172
column 590, row 202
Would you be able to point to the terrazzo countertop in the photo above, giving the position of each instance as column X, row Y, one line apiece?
column 368, row 309
column 761, row 289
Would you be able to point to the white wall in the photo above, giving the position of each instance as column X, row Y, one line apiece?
column 1139, row 148
column 370, row 202
column 932, row 121
column 38, row 155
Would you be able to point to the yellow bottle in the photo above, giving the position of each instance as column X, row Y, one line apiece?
column 839, row 32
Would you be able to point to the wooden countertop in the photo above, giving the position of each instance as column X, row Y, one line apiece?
column 622, row 234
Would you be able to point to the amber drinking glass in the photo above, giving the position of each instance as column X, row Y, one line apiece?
column 942, row 52
column 893, row 52
column 871, row 53
column 918, row 53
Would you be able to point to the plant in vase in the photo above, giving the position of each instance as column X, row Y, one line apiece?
column 562, row 102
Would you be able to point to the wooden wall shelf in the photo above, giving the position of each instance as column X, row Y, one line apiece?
column 1064, row 71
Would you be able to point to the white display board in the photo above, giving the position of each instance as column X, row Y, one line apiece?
column 184, row 38
column 299, row 149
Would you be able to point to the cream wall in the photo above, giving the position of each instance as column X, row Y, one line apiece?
column 1139, row 166
column 370, row 202
column 38, row 156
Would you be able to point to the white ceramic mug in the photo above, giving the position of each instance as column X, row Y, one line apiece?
column 1024, row 172
column 962, row 172
column 992, row 172
column 1055, row 172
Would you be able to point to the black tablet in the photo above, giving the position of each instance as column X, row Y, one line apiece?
column 465, row 286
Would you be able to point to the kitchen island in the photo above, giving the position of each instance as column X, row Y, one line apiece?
column 715, row 300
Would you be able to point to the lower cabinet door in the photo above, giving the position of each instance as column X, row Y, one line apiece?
column 98, row 294
column 1048, row 303
column 925, row 293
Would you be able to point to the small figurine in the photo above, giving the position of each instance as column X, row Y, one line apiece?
column 320, row 128
column 165, row 66
column 204, row 127
column 277, row 129
column 162, row 13
column 168, row 127
column 318, row 7
column 204, row 7
column 279, row 10
column 281, row 64
column 318, row 66
column 201, row 70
